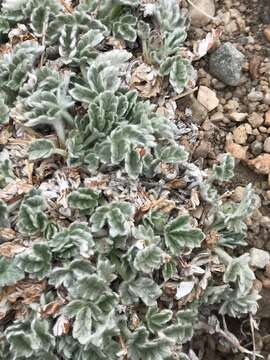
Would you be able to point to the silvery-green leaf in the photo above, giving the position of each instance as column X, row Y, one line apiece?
column 68, row 43
column 82, row 325
column 6, row 174
column 4, row 218
column 20, row 344
column 39, row 17
column 147, row 290
column 156, row 320
column 106, row 270
column 171, row 154
column 180, row 234
column 169, row 270
column 166, row 66
column 4, row 112
column 43, row 339
column 238, row 271
column 31, row 218
column 91, row 287
column 179, row 74
column 83, row 199
column 133, row 163
column 36, row 260
column 182, row 330
column 40, row 149
column 224, row 171
column 125, row 27
column 148, row 259
column 70, row 242
column 141, row 347
column 9, row 272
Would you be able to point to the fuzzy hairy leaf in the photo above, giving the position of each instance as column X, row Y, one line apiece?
column 124, row 28
column 9, row 272
column 224, row 171
column 4, row 218
column 180, row 234
column 83, row 199
column 148, row 259
column 238, row 271
column 171, row 154
column 147, row 290
column 70, row 242
column 141, row 347
column 83, row 325
column 6, row 174
column 31, row 218
column 36, row 261
column 115, row 215
column 4, row 112
column 40, row 149
column 156, row 320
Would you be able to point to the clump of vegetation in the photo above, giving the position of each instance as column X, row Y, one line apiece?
column 105, row 264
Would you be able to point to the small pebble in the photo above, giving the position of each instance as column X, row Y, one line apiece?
column 240, row 135
column 266, row 145
column 256, row 147
column 255, row 120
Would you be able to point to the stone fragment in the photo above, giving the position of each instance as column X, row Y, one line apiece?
column 237, row 151
column 238, row 117
column 259, row 258
column 261, row 164
column 255, row 120
column 240, row 134
column 267, row 33
column 226, row 64
column 217, row 117
column 255, row 96
column 197, row 17
column 267, row 118
column 238, row 193
column 199, row 112
column 266, row 145
column 207, row 98
column 256, row 147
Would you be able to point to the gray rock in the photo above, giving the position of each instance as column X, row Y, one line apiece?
column 259, row 258
column 226, row 64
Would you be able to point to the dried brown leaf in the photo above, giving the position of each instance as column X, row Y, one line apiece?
column 9, row 249
column 61, row 326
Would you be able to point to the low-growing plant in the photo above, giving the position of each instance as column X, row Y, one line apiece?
column 110, row 268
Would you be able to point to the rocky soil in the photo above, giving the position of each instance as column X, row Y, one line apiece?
column 234, row 89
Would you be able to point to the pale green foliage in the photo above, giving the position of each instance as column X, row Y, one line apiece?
column 40, row 149
column 4, row 220
column 225, row 170
column 239, row 271
column 31, row 218
column 6, row 174
column 157, row 319
column 107, row 263
column 164, row 51
column 115, row 215
column 83, row 199
column 9, row 272
column 70, row 242
column 36, row 261
column 4, row 112
column 179, row 234
column 14, row 68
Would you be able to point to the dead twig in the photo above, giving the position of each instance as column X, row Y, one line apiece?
column 177, row 97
